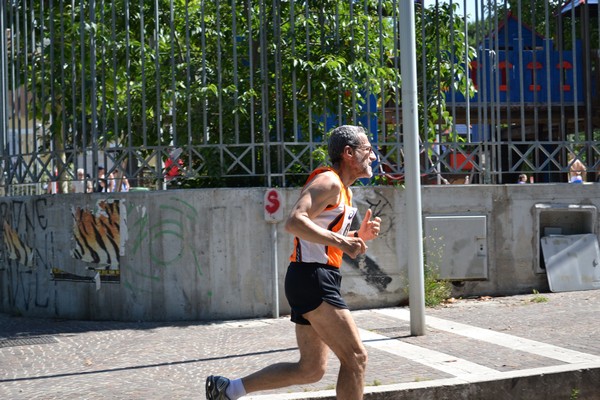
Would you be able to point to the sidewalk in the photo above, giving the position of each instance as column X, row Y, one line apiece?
column 501, row 348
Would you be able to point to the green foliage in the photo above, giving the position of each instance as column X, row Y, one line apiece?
column 574, row 394
column 437, row 290
column 538, row 298
column 539, row 14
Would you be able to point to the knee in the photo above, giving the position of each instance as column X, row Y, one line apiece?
column 357, row 361
column 361, row 359
column 313, row 373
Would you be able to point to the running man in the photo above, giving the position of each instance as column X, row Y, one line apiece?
column 320, row 221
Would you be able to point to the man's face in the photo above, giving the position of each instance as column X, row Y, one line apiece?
column 364, row 157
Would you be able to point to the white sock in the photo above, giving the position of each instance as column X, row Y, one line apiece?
column 235, row 390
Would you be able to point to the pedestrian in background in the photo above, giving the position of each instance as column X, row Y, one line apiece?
column 577, row 170
column 79, row 182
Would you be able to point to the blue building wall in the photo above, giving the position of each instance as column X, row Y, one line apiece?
column 509, row 70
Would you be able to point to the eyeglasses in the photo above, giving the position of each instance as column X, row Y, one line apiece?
column 369, row 148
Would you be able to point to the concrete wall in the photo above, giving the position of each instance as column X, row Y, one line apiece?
column 207, row 254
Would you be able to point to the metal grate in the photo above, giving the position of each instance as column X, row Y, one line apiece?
column 26, row 341
column 242, row 93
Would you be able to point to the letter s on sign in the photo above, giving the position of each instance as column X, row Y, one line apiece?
column 273, row 202
column 273, row 208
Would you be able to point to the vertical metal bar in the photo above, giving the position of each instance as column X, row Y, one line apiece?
column 452, row 75
column 340, row 98
column 93, row 84
column 130, row 78
column 534, row 73
column 23, row 141
column 82, row 90
column 173, row 107
column 308, row 74
column 353, row 58
column 367, row 106
column 5, row 161
column 423, row 72
column 234, row 36
column 188, row 81
column 158, row 106
column 48, row 113
column 438, row 84
column 321, row 17
column 561, row 46
column 294, row 77
column 278, row 90
column 35, row 93
column 548, row 72
column 468, row 72
column 94, row 94
column 575, row 75
column 275, row 264
column 15, row 51
column 382, row 93
column 205, row 131
column 397, row 84
column 251, row 78
column 143, row 66
column 596, row 166
column 587, row 82
column 495, row 97
column 220, row 82
column 264, row 92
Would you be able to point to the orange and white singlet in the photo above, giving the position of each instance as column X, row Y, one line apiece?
column 335, row 218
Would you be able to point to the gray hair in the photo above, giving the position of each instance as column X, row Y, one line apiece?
column 340, row 137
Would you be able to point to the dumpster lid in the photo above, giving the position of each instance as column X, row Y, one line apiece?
column 572, row 262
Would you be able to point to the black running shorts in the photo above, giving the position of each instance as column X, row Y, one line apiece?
column 307, row 285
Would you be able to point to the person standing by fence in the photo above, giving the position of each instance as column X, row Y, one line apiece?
column 577, row 170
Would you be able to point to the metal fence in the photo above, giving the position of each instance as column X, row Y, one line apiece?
column 242, row 93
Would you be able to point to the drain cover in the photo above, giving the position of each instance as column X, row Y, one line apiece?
column 26, row 341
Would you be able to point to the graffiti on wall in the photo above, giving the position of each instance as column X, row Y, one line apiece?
column 99, row 236
column 162, row 238
column 16, row 249
column 28, row 246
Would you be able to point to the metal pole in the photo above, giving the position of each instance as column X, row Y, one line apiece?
column 275, row 271
column 410, row 123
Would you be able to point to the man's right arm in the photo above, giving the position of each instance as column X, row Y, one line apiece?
column 315, row 197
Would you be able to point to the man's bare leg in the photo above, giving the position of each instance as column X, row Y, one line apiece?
column 310, row 368
column 337, row 329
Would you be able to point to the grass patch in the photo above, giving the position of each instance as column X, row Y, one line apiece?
column 437, row 290
column 538, row 298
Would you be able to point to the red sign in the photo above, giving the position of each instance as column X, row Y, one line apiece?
column 273, row 206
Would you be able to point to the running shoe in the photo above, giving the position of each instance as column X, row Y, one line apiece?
column 215, row 388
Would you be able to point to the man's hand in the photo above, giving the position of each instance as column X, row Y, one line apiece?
column 353, row 246
column 369, row 228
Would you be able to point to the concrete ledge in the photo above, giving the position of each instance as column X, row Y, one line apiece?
column 564, row 382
